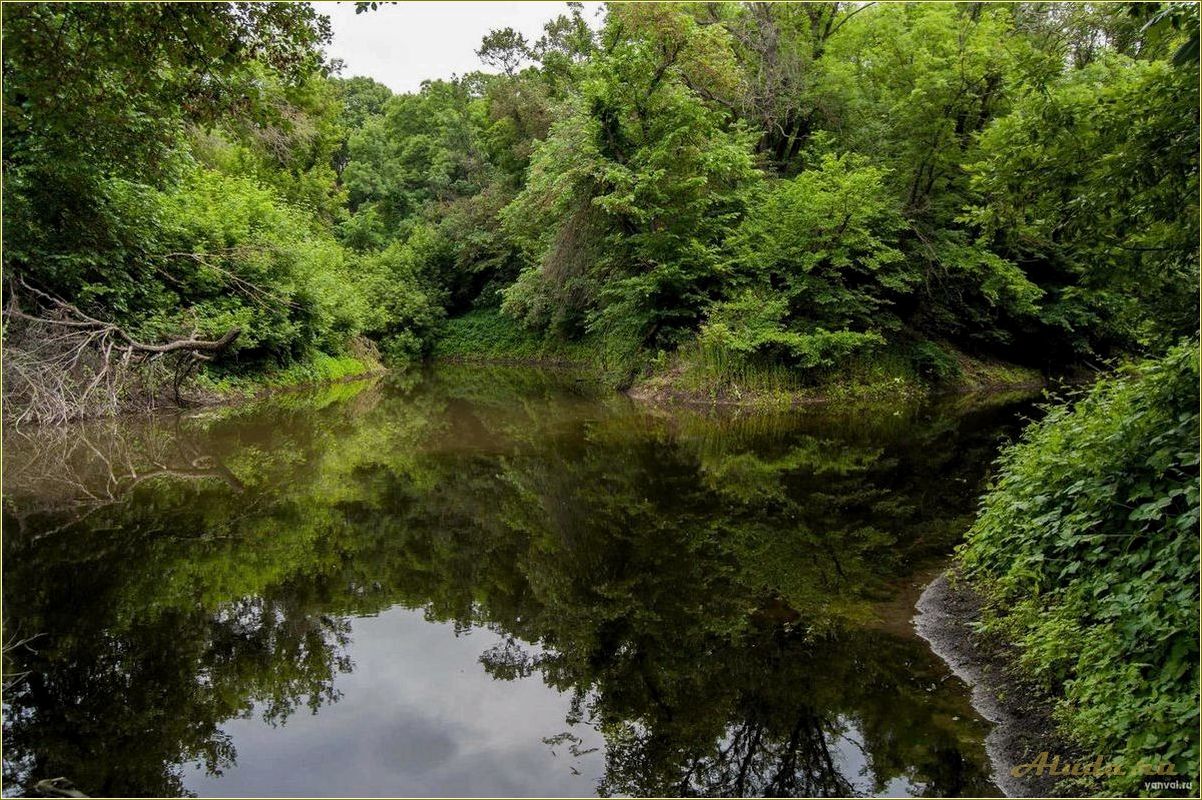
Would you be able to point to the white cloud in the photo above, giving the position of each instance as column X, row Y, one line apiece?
column 419, row 716
column 404, row 44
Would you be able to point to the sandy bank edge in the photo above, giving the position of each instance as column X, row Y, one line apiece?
column 1021, row 715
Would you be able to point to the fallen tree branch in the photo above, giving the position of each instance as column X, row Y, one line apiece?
column 84, row 321
column 61, row 363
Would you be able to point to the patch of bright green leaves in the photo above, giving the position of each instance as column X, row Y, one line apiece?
column 1087, row 546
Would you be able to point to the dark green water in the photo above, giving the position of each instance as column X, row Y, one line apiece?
column 488, row 581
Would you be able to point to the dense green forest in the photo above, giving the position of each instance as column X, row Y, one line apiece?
column 724, row 200
column 719, row 195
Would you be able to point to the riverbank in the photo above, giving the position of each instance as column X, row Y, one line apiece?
column 319, row 370
column 1085, row 550
column 692, row 377
column 485, row 338
column 948, row 610
column 142, row 394
column 890, row 378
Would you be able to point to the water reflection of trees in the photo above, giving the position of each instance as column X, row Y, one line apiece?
column 119, row 710
column 696, row 583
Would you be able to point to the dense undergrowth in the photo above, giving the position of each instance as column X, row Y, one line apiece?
column 1087, row 551
column 316, row 368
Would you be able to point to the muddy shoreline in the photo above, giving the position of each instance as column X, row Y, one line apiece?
column 1020, row 713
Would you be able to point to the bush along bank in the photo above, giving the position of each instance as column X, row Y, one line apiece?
column 317, row 368
column 1086, row 552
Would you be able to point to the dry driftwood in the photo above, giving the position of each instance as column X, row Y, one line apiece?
column 60, row 363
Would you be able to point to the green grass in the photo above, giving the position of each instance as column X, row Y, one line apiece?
column 319, row 368
column 700, row 373
column 488, row 336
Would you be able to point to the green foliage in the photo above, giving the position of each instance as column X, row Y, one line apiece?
column 913, row 83
column 108, row 86
column 211, row 253
column 1167, row 22
column 934, row 363
column 296, row 154
column 1096, row 181
column 244, row 259
column 844, row 369
column 403, row 307
column 174, row 170
column 488, row 336
column 1088, row 546
column 772, row 189
column 754, row 325
column 98, row 93
column 819, row 245
column 633, row 190
column 358, row 100
column 316, row 368
column 417, row 149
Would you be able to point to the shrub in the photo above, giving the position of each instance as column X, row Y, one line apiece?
column 933, row 362
column 404, row 308
column 234, row 255
column 753, row 325
column 1087, row 548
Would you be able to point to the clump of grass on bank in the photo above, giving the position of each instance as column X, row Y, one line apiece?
column 702, row 373
column 699, row 373
column 319, row 368
column 1087, row 552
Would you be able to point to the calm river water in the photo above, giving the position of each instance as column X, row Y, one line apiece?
column 488, row 581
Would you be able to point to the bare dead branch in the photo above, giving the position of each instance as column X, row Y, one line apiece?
column 61, row 363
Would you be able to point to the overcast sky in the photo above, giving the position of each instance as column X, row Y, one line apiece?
column 404, row 44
